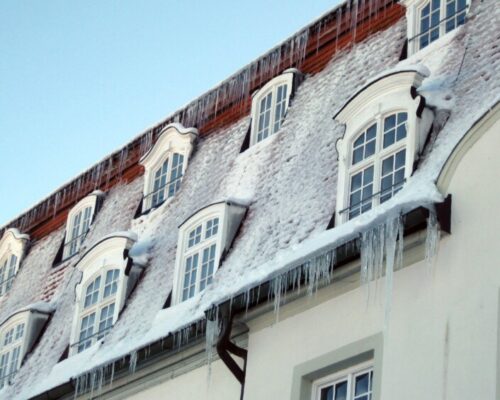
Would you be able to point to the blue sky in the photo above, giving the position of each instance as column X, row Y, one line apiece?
column 79, row 79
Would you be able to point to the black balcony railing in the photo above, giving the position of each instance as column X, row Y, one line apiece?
column 158, row 196
column 92, row 339
column 382, row 195
column 73, row 246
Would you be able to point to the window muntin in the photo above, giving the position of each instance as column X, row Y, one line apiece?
column 272, row 108
column 269, row 106
column 377, row 165
column 437, row 17
column 8, row 269
column 199, row 259
column 348, row 385
column 79, row 226
column 166, row 180
column 98, row 311
column 10, row 351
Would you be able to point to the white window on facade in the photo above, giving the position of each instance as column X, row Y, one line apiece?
column 17, row 335
column 428, row 20
column 269, row 106
column 166, row 163
column 386, row 129
column 351, row 384
column 98, row 308
column 377, row 165
column 78, row 224
column 106, row 282
column 13, row 245
column 203, row 238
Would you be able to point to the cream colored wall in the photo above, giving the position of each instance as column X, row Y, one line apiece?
column 194, row 385
column 441, row 341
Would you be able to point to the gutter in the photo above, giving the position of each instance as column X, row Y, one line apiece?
column 413, row 221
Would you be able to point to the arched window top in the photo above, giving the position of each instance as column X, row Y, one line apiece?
column 78, row 223
column 269, row 105
column 428, row 20
column 108, row 275
column 386, row 128
column 166, row 163
column 13, row 246
column 203, row 238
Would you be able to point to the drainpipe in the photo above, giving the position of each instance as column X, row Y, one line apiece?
column 225, row 347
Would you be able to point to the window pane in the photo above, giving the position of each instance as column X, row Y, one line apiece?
column 341, row 391
column 212, row 227
column 361, row 384
column 194, row 236
column 264, row 117
column 176, row 174
column 364, row 145
column 111, row 283
column 327, row 393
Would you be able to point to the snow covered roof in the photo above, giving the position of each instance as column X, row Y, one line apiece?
column 288, row 182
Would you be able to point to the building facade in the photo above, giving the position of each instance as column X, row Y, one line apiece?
column 320, row 226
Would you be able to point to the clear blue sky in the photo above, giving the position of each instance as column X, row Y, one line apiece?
column 79, row 79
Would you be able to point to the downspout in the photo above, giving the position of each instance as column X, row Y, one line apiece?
column 225, row 347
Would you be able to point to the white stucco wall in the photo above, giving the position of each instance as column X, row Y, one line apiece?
column 441, row 341
column 194, row 385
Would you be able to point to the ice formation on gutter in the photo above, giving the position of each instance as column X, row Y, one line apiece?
column 456, row 82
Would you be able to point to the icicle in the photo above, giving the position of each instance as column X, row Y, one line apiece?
column 432, row 238
column 319, row 270
column 211, row 335
column 392, row 229
column 133, row 362
column 277, row 288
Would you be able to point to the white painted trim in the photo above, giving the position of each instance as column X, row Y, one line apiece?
column 230, row 215
column 13, row 243
column 286, row 78
column 413, row 10
column 106, row 255
column 88, row 201
column 388, row 95
column 174, row 138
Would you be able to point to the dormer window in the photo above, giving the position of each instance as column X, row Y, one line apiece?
column 17, row 335
column 12, row 249
column 431, row 19
column 166, row 163
column 107, row 279
column 203, row 239
column 78, row 223
column 386, row 127
column 269, row 106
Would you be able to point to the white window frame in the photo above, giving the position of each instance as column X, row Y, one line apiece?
column 394, row 93
column 230, row 215
column 271, row 87
column 173, row 139
column 106, row 255
column 75, row 235
column 348, row 374
column 13, row 247
column 375, row 160
column 97, row 307
column 414, row 10
column 32, row 320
